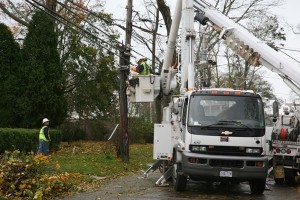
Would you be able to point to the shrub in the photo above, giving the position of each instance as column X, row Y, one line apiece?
column 140, row 130
column 26, row 139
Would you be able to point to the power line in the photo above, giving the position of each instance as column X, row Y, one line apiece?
column 290, row 56
column 67, row 23
column 76, row 15
column 288, row 49
column 82, row 31
column 95, row 14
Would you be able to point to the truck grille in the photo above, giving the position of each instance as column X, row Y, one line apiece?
column 222, row 150
column 227, row 163
column 226, row 150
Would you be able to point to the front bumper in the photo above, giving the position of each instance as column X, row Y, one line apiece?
column 216, row 167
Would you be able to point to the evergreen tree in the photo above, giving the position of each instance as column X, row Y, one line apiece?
column 42, row 84
column 9, row 59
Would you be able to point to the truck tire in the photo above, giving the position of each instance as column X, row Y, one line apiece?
column 257, row 186
column 179, row 180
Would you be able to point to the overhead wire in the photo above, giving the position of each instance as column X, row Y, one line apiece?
column 289, row 49
column 81, row 18
column 95, row 14
column 289, row 56
column 65, row 22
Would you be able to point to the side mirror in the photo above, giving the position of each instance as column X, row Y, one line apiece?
column 176, row 104
column 275, row 109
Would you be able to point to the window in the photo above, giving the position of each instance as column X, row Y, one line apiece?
column 206, row 110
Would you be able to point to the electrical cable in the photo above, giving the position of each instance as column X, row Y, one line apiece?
column 63, row 20
column 288, row 49
column 290, row 56
column 76, row 15
column 95, row 14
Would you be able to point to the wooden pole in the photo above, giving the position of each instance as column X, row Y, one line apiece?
column 124, row 71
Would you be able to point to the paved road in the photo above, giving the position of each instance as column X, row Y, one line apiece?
column 136, row 188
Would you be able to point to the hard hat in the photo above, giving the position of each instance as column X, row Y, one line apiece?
column 285, row 108
column 139, row 58
column 45, row 120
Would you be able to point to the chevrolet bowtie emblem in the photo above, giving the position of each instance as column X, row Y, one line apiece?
column 226, row 133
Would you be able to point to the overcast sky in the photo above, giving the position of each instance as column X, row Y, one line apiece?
column 290, row 15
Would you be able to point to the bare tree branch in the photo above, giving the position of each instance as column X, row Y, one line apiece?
column 11, row 15
column 12, row 5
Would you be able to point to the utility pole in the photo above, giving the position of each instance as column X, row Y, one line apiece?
column 124, row 71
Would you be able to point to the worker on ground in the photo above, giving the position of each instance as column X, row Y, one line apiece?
column 44, row 138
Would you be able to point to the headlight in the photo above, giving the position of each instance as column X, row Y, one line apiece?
column 198, row 148
column 252, row 150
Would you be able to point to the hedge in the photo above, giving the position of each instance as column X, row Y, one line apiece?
column 26, row 139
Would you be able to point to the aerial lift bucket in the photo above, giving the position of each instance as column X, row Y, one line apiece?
column 145, row 89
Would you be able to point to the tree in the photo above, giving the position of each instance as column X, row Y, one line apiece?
column 86, row 44
column 91, row 82
column 9, row 61
column 88, row 60
column 41, row 91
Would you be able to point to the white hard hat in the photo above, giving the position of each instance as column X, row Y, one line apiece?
column 285, row 108
column 139, row 58
column 45, row 120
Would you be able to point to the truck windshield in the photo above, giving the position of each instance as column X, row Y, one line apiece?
column 211, row 111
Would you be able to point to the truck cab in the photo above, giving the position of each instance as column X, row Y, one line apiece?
column 223, row 138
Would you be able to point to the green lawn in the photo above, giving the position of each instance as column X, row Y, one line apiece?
column 99, row 159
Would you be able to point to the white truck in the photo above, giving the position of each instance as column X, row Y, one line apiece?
column 211, row 134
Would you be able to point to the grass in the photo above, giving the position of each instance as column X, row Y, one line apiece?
column 99, row 159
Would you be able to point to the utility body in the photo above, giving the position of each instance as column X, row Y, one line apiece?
column 286, row 142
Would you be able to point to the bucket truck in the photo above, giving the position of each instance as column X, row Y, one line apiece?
column 286, row 142
column 215, row 134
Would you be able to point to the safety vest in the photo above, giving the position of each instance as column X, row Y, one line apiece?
column 42, row 135
column 146, row 70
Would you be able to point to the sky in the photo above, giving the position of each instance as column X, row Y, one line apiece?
column 288, row 14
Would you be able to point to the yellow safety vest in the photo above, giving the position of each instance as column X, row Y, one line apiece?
column 42, row 135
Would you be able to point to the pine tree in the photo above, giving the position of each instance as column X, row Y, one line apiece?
column 42, row 85
column 9, row 60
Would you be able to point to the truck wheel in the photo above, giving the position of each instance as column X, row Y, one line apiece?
column 179, row 180
column 257, row 186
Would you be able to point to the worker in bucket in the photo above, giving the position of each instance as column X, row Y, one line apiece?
column 44, row 138
column 142, row 66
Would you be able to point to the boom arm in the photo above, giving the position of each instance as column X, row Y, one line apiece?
column 184, row 11
column 253, row 50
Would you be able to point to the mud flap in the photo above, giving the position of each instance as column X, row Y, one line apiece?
column 279, row 172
